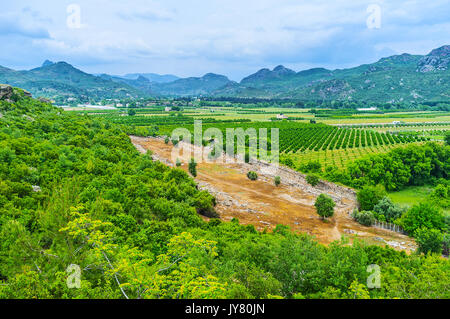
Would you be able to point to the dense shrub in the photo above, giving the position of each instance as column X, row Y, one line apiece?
column 429, row 240
column 423, row 215
column 277, row 180
column 364, row 218
column 192, row 167
column 312, row 179
column 252, row 175
column 386, row 210
column 369, row 196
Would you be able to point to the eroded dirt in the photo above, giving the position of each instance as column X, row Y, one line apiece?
column 265, row 205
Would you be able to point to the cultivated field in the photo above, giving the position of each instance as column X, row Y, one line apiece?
column 337, row 137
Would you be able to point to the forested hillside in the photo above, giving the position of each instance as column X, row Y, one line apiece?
column 404, row 78
column 61, row 81
column 75, row 191
column 399, row 78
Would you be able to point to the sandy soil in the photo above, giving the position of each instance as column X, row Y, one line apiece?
column 264, row 205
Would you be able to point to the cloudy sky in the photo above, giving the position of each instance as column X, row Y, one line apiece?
column 230, row 37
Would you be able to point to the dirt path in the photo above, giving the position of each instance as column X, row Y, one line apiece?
column 264, row 205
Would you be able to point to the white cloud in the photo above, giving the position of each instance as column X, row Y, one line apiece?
column 234, row 37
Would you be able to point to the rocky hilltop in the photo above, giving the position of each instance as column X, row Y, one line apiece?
column 437, row 60
column 7, row 93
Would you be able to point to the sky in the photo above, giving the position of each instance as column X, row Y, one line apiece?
column 230, row 37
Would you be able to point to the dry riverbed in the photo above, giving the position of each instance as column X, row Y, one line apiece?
column 264, row 205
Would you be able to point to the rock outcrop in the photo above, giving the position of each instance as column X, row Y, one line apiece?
column 6, row 92
column 437, row 60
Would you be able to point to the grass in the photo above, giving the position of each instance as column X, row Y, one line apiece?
column 411, row 195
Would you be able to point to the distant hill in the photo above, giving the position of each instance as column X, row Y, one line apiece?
column 193, row 86
column 62, row 80
column 152, row 77
column 399, row 78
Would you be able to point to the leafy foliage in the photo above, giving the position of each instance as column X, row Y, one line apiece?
column 325, row 206
column 74, row 191
column 429, row 240
column 253, row 176
column 369, row 196
column 386, row 210
column 364, row 218
column 422, row 215
column 312, row 179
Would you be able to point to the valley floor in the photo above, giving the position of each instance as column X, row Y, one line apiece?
column 264, row 205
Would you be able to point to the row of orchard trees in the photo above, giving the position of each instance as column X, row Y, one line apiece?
column 331, row 138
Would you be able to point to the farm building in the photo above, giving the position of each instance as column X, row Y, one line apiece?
column 367, row 109
column 281, row 116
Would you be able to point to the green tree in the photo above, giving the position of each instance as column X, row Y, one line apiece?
column 325, row 206
column 369, row 196
column 193, row 167
column 429, row 240
column 422, row 215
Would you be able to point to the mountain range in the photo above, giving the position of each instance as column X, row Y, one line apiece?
column 60, row 81
column 398, row 78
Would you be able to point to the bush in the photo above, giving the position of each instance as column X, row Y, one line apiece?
column 441, row 195
column 422, row 215
column 277, row 180
column 178, row 163
column 166, row 140
column 369, row 196
column 364, row 218
column 252, row 175
column 288, row 162
column 312, row 179
column 193, row 167
column 429, row 240
column 388, row 209
column 204, row 203
column 325, row 206
column 311, row 166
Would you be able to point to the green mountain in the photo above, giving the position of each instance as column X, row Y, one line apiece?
column 61, row 81
column 152, row 77
column 193, row 86
column 399, row 78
